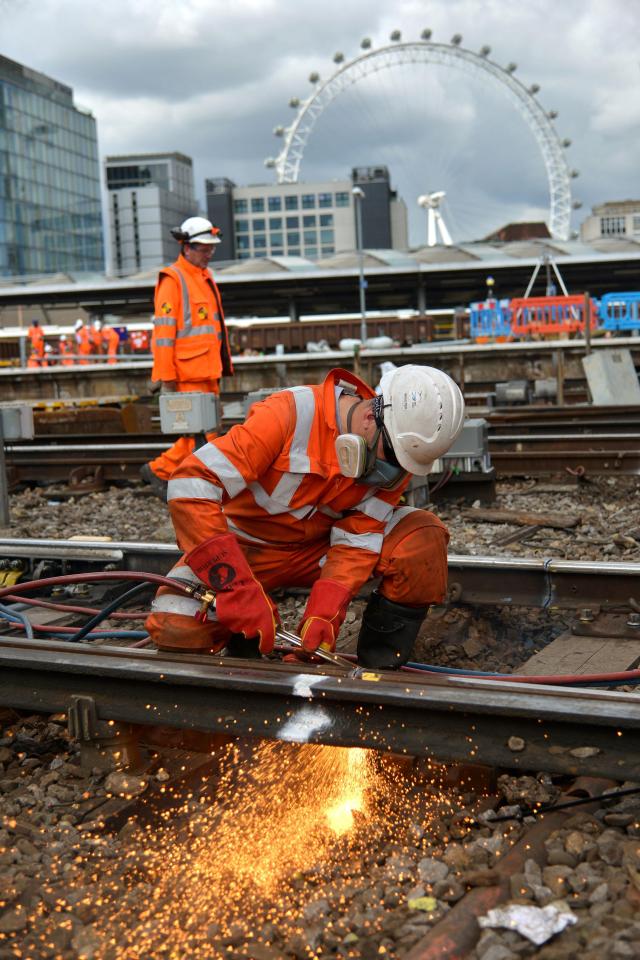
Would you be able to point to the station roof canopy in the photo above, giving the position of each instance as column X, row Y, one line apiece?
column 448, row 276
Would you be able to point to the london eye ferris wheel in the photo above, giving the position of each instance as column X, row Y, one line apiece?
column 469, row 129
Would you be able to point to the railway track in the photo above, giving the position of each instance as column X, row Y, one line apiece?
column 450, row 717
column 117, row 459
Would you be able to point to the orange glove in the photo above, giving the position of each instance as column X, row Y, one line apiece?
column 242, row 606
column 323, row 616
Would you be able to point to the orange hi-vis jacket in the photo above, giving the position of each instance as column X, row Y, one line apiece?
column 189, row 338
column 275, row 480
column 36, row 336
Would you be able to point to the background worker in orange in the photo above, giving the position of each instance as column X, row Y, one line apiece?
column 83, row 341
column 96, row 338
column 110, row 343
column 36, row 336
column 66, row 351
column 306, row 493
column 190, row 345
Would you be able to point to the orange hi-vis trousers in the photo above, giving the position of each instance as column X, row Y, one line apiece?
column 164, row 464
column 412, row 565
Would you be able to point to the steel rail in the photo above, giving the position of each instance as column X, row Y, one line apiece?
column 453, row 720
column 475, row 580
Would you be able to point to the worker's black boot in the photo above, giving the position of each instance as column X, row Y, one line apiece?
column 245, row 647
column 388, row 632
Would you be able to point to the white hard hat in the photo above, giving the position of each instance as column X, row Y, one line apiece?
column 63, row 336
column 423, row 414
column 97, row 324
column 198, row 230
column 79, row 323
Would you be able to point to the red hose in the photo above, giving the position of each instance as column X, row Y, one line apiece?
column 92, row 578
column 71, row 608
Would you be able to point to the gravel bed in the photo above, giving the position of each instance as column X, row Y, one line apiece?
column 198, row 888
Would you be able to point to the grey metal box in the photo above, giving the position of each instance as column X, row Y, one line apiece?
column 17, row 421
column 612, row 378
column 189, row 412
column 472, row 442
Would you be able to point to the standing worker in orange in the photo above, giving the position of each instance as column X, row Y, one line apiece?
column 96, row 338
column 36, row 336
column 190, row 345
column 83, row 341
column 110, row 343
column 65, row 349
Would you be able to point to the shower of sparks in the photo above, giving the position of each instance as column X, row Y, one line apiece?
column 226, row 872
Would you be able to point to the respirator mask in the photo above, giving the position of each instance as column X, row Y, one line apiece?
column 358, row 460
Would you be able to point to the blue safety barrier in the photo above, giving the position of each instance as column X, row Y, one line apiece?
column 490, row 319
column 620, row 311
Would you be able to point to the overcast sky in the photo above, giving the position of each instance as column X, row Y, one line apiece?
column 213, row 79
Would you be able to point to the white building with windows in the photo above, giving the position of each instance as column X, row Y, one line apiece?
column 310, row 220
column 613, row 219
column 148, row 194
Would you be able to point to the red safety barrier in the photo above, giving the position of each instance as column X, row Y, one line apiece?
column 551, row 316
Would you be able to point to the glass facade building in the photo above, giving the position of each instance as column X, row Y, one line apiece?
column 50, row 207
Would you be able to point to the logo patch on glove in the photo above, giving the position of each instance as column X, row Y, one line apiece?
column 221, row 575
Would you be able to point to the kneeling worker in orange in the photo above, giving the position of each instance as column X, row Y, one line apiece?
column 190, row 346
column 306, row 493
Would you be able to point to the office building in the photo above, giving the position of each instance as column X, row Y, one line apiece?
column 50, row 209
column 617, row 219
column 148, row 195
column 311, row 220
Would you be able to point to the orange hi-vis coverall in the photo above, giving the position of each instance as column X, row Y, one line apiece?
column 111, row 339
column 36, row 336
column 275, row 482
column 189, row 344
column 83, row 341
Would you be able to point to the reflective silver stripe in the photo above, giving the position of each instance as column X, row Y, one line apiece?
column 182, row 572
column 376, row 508
column 302, row 512
column 164, row 342
column 305, row 410
column 398, row 514
column 283, row 493
column 230, row 477
column 361, row 541
column 241, row 533
column 196, row 331
column 193, row 487
column 164, row 321
column 186, row 606
column 328, row 512
column 186, row 302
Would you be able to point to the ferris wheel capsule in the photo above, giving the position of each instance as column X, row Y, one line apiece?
column 534, row 88
column 278, row 131
column 294, row 102
column 366, row 43
column 269, row 163
column 395, row 36
column 426, row 34
column 511, row 67
column 552, row 114
column 338, row 57
column 314, row 77
column 485, row 50
column 456, row 39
